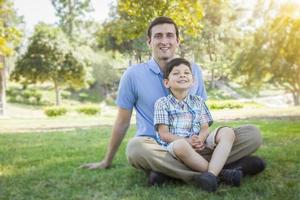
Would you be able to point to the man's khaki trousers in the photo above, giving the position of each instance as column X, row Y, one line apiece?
column 144, row 153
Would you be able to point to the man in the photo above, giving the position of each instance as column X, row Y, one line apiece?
column 140, row 86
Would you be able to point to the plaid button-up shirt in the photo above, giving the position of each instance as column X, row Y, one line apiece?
column 183, row 118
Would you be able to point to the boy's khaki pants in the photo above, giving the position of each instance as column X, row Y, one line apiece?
column 144, row 153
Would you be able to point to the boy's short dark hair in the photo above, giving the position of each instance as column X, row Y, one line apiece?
column 173, row 63
column 162, row 20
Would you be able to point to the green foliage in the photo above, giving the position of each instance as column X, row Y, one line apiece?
column 272, row 56
column 106, row 71
column 133, row 16
column 55, row 111
column 71, row 14
column 224, row 104
column 25, row 96
column 10, row 35
column 89, row 109
column 50, row 57
column 217, row 94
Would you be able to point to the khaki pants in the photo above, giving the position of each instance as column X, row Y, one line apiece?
column 144, row 153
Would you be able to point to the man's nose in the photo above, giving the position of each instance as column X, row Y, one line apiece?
column 164, row 40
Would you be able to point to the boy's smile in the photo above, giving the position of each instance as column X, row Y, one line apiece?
column 180, row 79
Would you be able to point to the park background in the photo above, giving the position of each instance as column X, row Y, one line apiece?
column 59, row 78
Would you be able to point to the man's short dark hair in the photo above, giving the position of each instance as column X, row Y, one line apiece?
column 162, row 20
column 173, row 63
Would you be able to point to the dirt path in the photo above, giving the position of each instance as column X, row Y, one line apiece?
column 29, row 120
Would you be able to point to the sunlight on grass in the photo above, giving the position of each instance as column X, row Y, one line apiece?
column 45, row 166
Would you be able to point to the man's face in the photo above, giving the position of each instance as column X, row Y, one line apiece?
column 163, row 41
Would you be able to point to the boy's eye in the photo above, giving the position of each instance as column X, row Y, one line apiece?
column 187, row 72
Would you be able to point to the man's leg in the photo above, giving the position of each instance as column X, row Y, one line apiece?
column 248, row 140
column 144, row 153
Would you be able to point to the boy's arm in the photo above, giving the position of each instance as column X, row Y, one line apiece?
column 165, row 135
column 120, row 128
column 202, row 137
column 204, row 132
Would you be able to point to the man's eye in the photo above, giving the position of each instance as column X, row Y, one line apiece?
column 170, row 35
column 157, row 36
column 187, row 73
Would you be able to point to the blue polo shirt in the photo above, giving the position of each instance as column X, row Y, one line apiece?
column 141, row 85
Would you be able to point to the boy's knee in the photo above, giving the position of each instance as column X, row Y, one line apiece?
column 225, row 133
column 181, row 148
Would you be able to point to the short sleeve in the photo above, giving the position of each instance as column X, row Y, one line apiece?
column 161, row 112
column 126, row 92
column 205, row 115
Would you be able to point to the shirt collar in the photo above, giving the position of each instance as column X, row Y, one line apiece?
column 153, row 65
column 186, row 100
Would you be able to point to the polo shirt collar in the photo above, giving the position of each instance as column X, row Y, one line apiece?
column 154, row 66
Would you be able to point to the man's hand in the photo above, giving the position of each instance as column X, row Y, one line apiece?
column 98, row 165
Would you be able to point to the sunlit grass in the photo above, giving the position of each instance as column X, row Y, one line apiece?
column 45, row 166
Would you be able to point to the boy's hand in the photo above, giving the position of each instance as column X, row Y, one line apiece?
column 198, row 142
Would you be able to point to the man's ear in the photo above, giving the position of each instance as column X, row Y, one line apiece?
column 166, row 83
column 178, row 41
column 149, row 42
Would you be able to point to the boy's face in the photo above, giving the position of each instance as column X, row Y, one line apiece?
column 180, row 78
column 163, row 41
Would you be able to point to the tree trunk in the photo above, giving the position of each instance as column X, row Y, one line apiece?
column 296, row 98
column 2, row 86
column 57, row 94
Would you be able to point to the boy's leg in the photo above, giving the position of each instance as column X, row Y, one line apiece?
column 224, row 140
column 182, row 150
column 144, row 153
column 247, row 140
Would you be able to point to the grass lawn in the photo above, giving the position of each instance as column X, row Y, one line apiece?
column 45, row 166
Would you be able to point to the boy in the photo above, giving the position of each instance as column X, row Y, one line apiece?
column 182, row 122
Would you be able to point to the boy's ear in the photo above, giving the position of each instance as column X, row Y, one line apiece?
column 166, row 83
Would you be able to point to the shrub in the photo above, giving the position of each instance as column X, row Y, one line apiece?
column 65, row 94
column 28, row 96
column 89, row 109
column 55, row 111
column 218, row 105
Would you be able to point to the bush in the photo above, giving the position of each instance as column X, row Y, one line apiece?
column 65, row 94
column 55, row 111
column 89, row 109
column 218, row 105
column 28, row 96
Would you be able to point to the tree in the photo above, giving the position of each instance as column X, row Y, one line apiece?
column 126, row 31
column 10, row 37
column 274, row 57
column 50, row 57
column 212, row 47
column 71, row 14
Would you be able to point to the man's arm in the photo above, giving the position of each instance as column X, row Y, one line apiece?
column 119, row 130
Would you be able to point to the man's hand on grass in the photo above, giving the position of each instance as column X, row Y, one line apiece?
column 97, row 165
